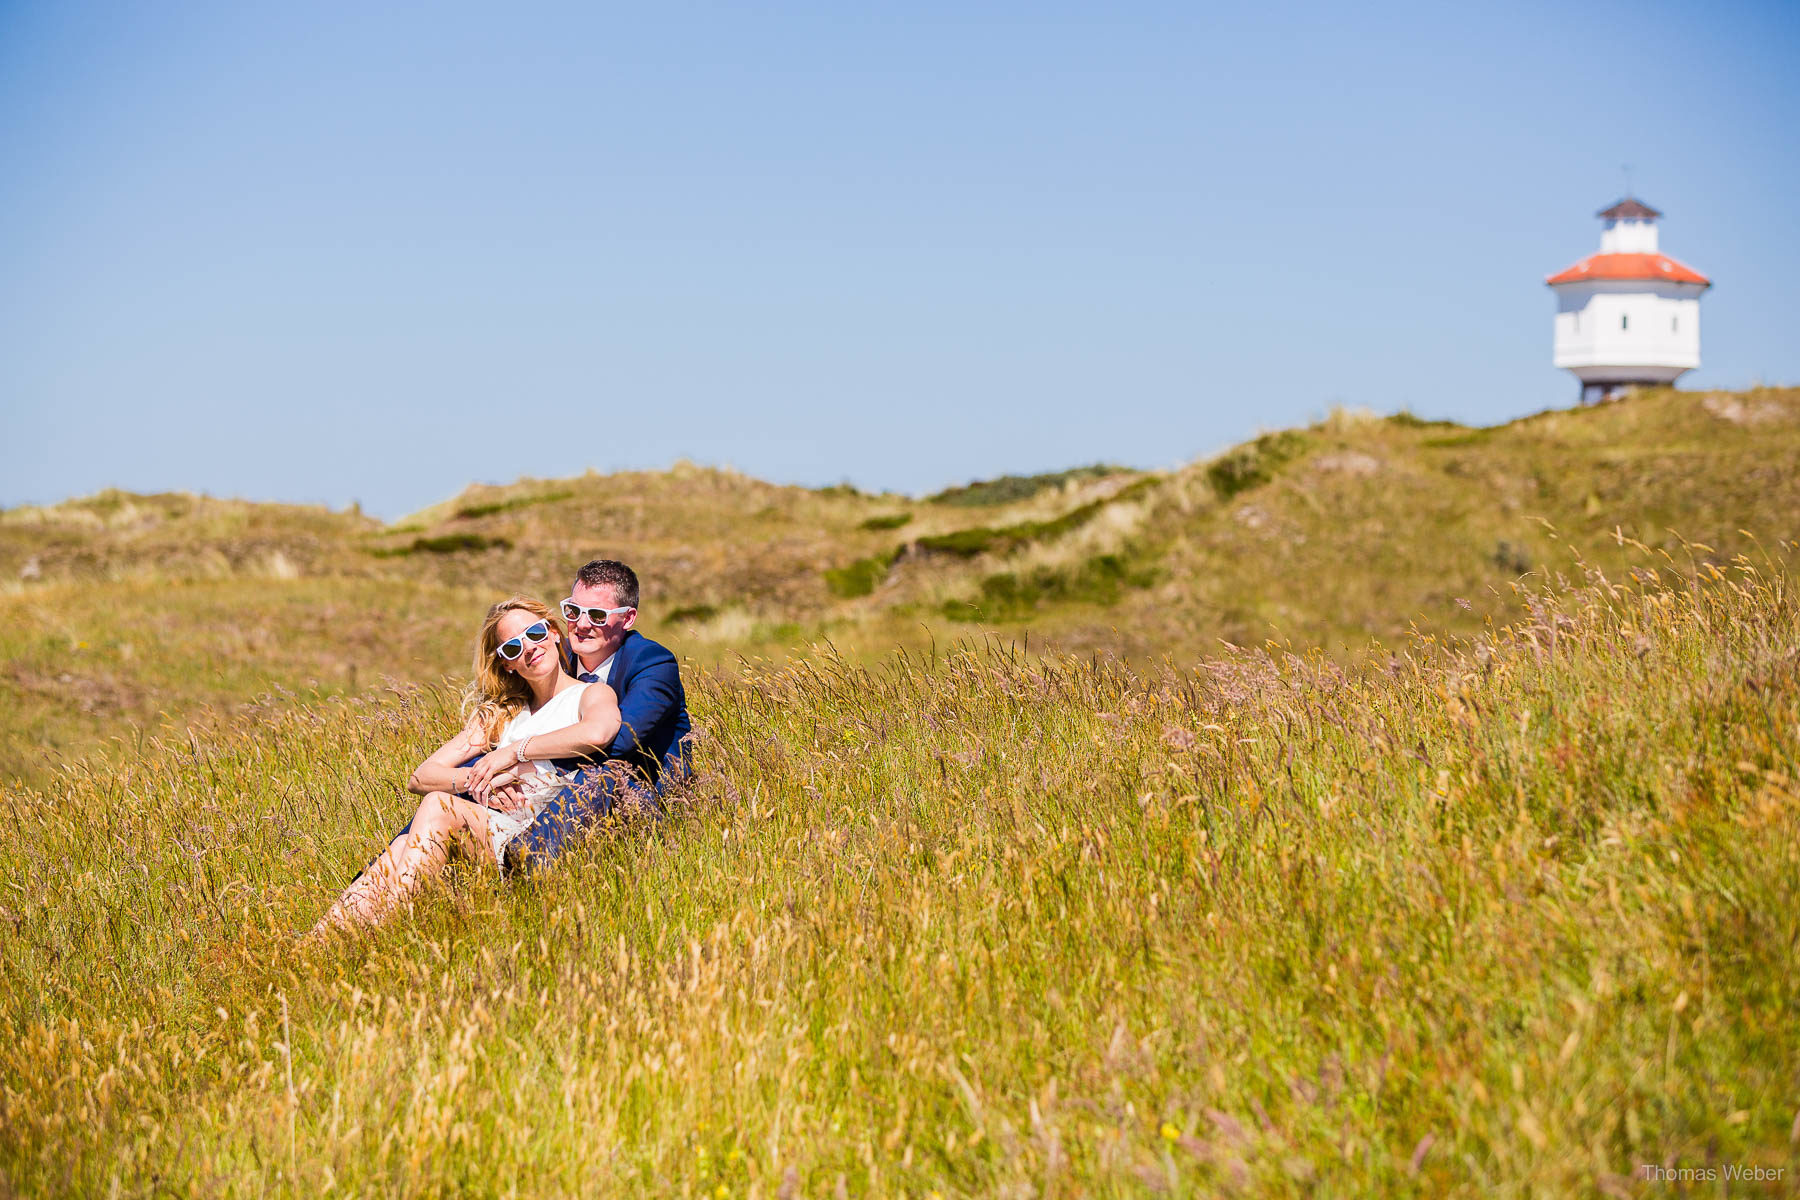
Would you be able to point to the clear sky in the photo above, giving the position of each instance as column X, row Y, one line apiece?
column 324, row 252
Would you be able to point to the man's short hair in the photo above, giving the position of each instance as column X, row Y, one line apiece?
column 607, row 572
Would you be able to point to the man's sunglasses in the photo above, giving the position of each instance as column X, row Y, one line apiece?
column 573, row 612
column 511, row 648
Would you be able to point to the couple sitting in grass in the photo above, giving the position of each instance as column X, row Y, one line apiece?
column 560, row 734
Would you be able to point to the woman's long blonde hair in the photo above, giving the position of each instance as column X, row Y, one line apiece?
column 496, row 694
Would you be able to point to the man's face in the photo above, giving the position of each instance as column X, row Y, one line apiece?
column 592, row 643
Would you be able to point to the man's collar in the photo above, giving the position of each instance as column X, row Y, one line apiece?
column 582, row 668
column 579, row 668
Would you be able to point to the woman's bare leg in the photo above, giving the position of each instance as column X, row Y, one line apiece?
column 442, row 823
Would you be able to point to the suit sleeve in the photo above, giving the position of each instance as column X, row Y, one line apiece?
column 649, row 704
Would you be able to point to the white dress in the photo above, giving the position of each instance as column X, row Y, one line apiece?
column 539, row 780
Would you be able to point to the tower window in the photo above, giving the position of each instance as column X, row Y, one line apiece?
column 1674, row 324
column 1625, row 321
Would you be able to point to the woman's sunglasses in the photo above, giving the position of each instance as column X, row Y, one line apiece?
column 572, row 612
column 511, row 648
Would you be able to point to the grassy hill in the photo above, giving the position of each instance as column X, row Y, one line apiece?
column 1510, row 916
column 124, row 613
column 1381, row 808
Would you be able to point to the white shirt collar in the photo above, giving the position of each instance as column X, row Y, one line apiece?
column 603, row 671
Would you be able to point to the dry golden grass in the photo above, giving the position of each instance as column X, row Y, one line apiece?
column 1509, row 916
column 1502, row 904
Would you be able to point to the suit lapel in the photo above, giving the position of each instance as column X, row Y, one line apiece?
column 621, row 666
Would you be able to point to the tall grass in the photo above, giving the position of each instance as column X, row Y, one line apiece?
column 1508, row 917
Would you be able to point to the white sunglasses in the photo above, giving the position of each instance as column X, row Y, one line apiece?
column 511, row 648
column 573, row 612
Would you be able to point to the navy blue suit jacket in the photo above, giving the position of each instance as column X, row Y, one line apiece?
column 654, row 725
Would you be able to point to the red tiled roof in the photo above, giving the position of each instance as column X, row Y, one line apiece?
column 1630, row 208
column 1629, row 266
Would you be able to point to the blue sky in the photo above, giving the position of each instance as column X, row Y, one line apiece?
column 326, row 253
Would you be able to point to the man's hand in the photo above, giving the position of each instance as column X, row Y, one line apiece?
column 491, row 766
column 507, row 797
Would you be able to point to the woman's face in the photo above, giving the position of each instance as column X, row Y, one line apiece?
column 539, row 659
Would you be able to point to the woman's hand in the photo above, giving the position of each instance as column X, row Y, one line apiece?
column 483, row 774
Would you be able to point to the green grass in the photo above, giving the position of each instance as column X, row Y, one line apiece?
column 1407, row 419
column 861, row 577
column 1255, row 463
column 968, row 543
column 1009, row 489
column 1017, row 596
column 510, row 504
column 691, row 613
column 1498, row 917
column 1473, row 437
column 448, row 543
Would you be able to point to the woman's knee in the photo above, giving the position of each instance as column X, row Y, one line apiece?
column 437, row 811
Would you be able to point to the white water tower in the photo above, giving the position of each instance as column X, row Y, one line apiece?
column 1629, row 315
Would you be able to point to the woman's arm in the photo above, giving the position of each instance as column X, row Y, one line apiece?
column 439, row 773
column 587, row 737
column 593, row 731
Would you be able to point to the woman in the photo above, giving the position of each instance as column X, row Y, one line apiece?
column 524, row 709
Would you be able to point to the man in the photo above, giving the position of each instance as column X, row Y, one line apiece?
column 652, row 745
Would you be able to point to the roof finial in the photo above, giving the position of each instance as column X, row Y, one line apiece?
column 1626, row 168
